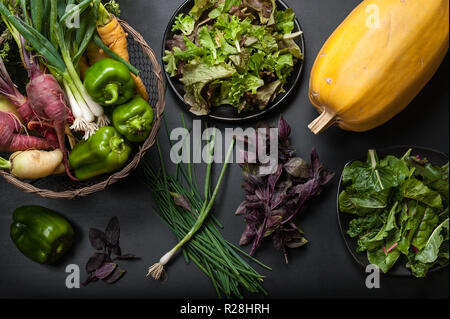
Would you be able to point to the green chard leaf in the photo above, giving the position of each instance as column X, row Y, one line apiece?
column 375, row 175
column 385, row 231
column 361, row 225
column 362, row 203
column 426, row 227
column 415, row 213
column 383, row 259
column 415, row 189
column 430, row 252
column 418, row 268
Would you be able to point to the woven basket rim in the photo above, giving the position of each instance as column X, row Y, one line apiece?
column 160, row 105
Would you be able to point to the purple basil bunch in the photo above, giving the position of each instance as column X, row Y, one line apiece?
column 272, row 201
column 102, row 264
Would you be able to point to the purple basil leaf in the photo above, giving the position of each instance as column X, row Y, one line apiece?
column 115, row 276
column 105, row 270
column 97, row 238
column 182, row 201
column 248, row 187
column 247, row 235
column 242, row 209
column 116, row 250
column 251, row 198
column 325, row 176
column 284, row 130
column 127, row 257
column 112, row 232
column 277, row 240
column 263, row 194
column 95, row 262
column 315, row 163
column 297, row 167
column 273, row 179
column 255, row 205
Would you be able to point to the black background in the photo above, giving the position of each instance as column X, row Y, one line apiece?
column 322, row 269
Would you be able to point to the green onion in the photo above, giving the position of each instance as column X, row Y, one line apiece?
column 197, row 232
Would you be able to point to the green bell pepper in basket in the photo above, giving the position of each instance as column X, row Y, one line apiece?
column 41, row 234
column 134, row 120
column 109, row 82
column 104, row 152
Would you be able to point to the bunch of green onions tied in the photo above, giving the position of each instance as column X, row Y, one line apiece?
column 187, row 214
column 46, row 29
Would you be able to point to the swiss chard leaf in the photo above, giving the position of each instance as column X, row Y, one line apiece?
column 415, row 189
column 361, row 225
column 415, row 213
column 430, row 252
column 376, row 175
column 362, row 203
column 384, row 232
column 382, row 259
column 426, row 227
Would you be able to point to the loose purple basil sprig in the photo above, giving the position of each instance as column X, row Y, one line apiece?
column 102, row 265
column 272, row 201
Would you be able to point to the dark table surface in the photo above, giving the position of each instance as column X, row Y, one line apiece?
column 322, row 269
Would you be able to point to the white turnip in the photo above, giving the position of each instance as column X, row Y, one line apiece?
column 33, row 164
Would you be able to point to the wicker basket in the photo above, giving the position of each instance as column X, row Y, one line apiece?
column 143, row 58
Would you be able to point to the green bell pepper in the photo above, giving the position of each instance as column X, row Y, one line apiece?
column 41, row 234
column 109, row 82
column 134, row 120
column 104, row 152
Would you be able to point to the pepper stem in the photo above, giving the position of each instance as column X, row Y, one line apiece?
column 116, row 144
column 136, row 124
column 112, row 91
column 4, row 164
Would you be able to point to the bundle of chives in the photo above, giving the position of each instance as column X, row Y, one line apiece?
column 206, row 247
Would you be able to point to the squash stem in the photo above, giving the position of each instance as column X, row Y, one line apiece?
column 324, row 121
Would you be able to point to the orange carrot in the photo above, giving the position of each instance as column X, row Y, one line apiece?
column 115, row 37
column 94, row 53
column 140, row 87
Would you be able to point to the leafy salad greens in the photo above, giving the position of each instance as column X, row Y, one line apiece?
column 232, row 52
column 401, row 207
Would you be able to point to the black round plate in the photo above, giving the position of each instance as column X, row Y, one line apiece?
column 228, row 113
column 399, row 269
